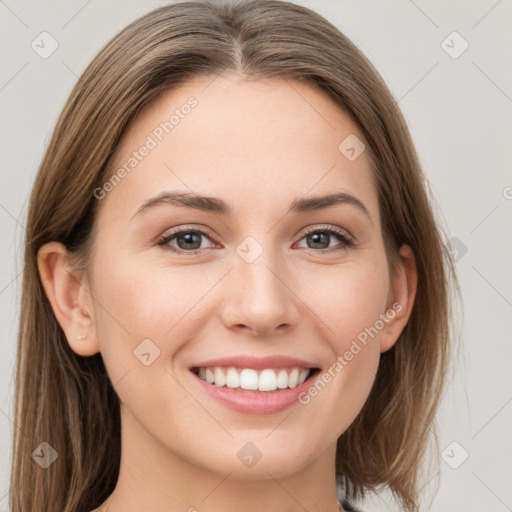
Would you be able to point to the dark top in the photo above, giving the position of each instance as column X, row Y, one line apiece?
column 349, row 508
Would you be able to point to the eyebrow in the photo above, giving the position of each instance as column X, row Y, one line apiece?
column 218, row 206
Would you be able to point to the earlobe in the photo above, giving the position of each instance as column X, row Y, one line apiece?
column 69, row 296
column 401, row 298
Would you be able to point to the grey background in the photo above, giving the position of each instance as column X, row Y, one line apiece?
column 459, row 113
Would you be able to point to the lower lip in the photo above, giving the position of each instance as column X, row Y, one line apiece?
column 257, row 402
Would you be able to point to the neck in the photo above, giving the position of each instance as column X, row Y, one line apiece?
column 154, row 478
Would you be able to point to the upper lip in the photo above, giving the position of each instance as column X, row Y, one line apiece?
column 276, row 361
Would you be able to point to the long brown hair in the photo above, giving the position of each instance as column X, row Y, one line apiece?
column 67, row 400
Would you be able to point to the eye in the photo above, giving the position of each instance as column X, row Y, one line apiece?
column 187, row 240
column 191, row 240
column 320, row 239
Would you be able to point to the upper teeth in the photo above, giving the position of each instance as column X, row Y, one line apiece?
column 248, row 378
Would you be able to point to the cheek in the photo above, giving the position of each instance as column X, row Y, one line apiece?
column 136, row 301
column 145, row 298
column 142, row 322
column 350, row 301
column 350, row 304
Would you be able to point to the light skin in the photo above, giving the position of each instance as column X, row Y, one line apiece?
column 257, row 145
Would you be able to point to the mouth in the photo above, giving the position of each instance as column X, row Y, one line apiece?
column 255, row 385
column 255, row 380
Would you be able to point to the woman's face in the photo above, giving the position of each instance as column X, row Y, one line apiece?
column 261, row 283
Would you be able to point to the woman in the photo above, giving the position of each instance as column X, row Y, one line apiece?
column 235, row 291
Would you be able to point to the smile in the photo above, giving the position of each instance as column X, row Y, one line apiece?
column 255, row 385
column 268, row 379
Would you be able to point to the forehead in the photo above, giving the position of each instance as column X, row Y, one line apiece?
column 244, row 140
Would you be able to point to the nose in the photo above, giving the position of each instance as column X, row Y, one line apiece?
column 259, row 297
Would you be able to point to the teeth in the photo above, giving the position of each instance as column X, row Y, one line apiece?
column 232, row 378
column 209, row 376
column 303, row 375
column 267, row 381
column 220, row 379
column 293, row 378
column 282, row 379
column 247, row 378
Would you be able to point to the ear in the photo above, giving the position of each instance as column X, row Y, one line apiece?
column 400, row 298
column 70, row 298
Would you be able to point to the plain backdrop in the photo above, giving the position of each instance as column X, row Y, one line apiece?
column 448, row 64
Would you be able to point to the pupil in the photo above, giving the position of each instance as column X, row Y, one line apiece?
column 189, row 239
column 316, row 238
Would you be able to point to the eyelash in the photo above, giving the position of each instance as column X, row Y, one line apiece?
column 345, row 240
